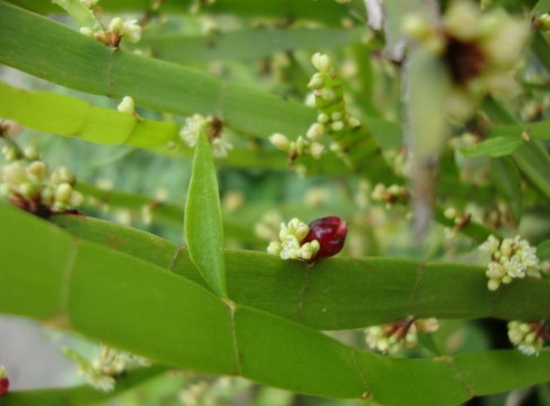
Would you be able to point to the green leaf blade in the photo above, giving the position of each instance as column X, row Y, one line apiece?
column 494, row 147
column 134, row 305
column 203, row 221
column 32, row 248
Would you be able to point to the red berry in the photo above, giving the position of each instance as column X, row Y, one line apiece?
column 4, row 386
column 330, row 232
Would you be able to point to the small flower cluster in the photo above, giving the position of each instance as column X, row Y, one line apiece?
column 393, row 337
column 323, row 237
column 118, row 29
column 528, row 337
column 510, row 259
column 389, row 194
column 4, row 381
column 301, row 147
column 333, row 116
column 103, row 370
column 28, row 186
column 459, row 219
column 291, row 243
column 481, row 51
column 212, row 127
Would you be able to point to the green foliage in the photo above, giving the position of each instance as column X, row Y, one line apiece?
column 203, row 219
column 392, row 148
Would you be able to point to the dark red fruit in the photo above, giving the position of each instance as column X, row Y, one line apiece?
column 330, row 232
column 4, row 386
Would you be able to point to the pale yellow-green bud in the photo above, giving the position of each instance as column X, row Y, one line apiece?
column 317, row 81
column 316, row 150
column 63, row 192
column 37, row 170
column 323, row 118
column 337, row 126
column 117, row 24
column 450, row 213
column 321, row 62
column 280, row 141
column 315, row 131
column 127, row 105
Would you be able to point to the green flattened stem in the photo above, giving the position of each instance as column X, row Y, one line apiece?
column 137, row 306
column 339, row 293
column 82, row 63
column 203, row 220
column 69, row 116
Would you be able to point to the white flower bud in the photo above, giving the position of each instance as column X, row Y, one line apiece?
column 450, row 213
column 37, row 170
column 337, row 125
column 316, row 150
column 280, row 141
column 317, row 81
column 117, row 24
column 63, row 192
column 131, row 31
column 127, row 105
column 315, row 131
column 323, row 118
column 14, row 173
column 321, row 62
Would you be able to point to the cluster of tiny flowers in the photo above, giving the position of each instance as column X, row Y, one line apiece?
column 102, row 371
column 528, row 337
column 290, row 244
column 118, row 29
column 28, row 186
column 333, row 116
column 393, row 337
column 481, row 51
column 459, row 219
column 301, row 147
column 510, row 259
column 197, row 123
column 389, row 194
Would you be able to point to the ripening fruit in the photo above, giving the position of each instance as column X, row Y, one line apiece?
column 4, row 386
column 330, row 232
